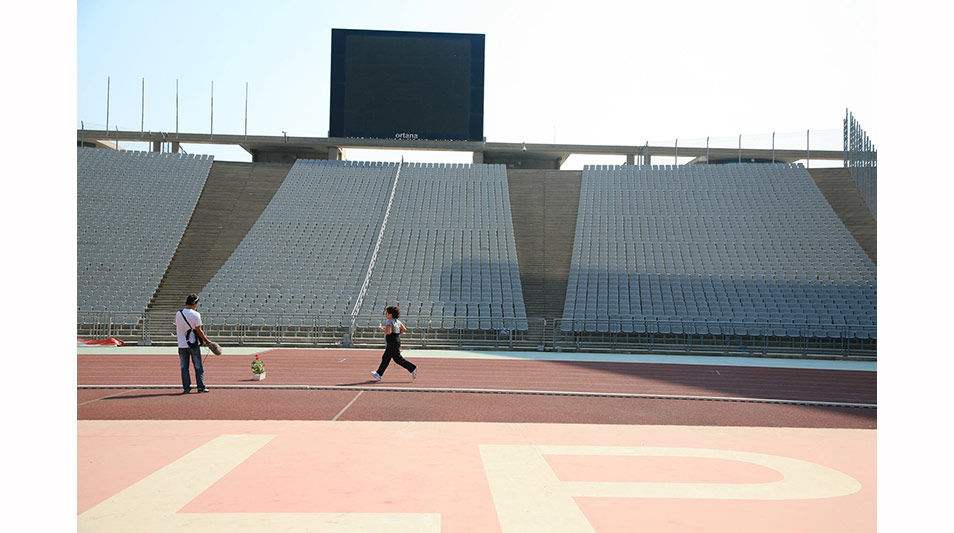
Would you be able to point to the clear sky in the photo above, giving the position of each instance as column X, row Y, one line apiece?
column 593, row 72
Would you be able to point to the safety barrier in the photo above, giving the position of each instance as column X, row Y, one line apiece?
column 714, row 337
column 631, row 335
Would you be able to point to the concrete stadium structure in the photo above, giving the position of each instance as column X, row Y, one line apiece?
column 287, row 149
column 544, row 212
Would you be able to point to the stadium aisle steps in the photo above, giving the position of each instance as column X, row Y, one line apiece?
column 544, row 205
column 843, row 196
column 234, row 197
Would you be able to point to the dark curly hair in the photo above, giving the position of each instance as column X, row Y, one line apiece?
column 394, row 311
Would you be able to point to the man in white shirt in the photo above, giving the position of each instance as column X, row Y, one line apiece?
column 190, row 337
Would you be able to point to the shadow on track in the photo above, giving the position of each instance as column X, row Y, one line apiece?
column 151, row 395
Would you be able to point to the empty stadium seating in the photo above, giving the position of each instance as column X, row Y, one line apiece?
column 132, row 209
column 715, row 249
column 448, row 250
column 308, row 252
column 743, row 250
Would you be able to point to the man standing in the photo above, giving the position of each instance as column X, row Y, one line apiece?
column 190, row 336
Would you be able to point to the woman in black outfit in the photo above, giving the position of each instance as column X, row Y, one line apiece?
column 393, row 329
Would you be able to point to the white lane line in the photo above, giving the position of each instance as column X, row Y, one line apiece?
column 646, row 396
column 104, row 397
column 347, row 406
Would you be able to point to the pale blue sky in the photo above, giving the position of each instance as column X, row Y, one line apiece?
column 592, row 72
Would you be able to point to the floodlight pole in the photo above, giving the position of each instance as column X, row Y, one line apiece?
column 853, row 142
column 844, row 138
column 107, row 103
column 808, row 152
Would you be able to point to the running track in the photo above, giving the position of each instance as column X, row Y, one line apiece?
column 478, row 442
column 319, row 384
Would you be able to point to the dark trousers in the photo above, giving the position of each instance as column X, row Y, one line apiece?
column 184, row 355
column 393, row 351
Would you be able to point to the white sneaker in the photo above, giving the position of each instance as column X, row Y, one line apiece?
column 376, row 376
column 414, row 374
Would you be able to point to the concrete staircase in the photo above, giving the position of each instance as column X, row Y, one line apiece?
column 235, row 195
column 843, row 196
column 544, row 205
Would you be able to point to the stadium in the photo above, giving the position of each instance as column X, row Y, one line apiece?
column 698, row 334
column 501, row 270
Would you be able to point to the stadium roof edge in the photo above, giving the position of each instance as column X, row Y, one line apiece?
column 264, row 148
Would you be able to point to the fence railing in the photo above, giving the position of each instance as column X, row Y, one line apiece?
column 724, row 337
column 727, row 337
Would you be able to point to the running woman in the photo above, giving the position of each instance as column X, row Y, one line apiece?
column 393, row 329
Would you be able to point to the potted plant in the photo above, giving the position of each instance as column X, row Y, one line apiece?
column 258, row 369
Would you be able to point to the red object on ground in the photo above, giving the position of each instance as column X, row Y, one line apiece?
column 103, row 342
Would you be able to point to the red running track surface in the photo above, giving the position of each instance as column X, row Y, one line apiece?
column 235, row 396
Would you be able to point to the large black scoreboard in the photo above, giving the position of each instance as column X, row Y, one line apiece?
column 407, row 85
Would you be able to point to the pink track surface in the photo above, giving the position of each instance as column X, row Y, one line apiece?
column 366, row 459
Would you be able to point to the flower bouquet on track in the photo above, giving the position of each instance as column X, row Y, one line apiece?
column 258, row 369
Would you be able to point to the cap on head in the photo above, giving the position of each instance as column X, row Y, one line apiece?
column 192, row 299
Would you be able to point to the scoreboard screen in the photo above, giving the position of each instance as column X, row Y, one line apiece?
column 407, row 85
